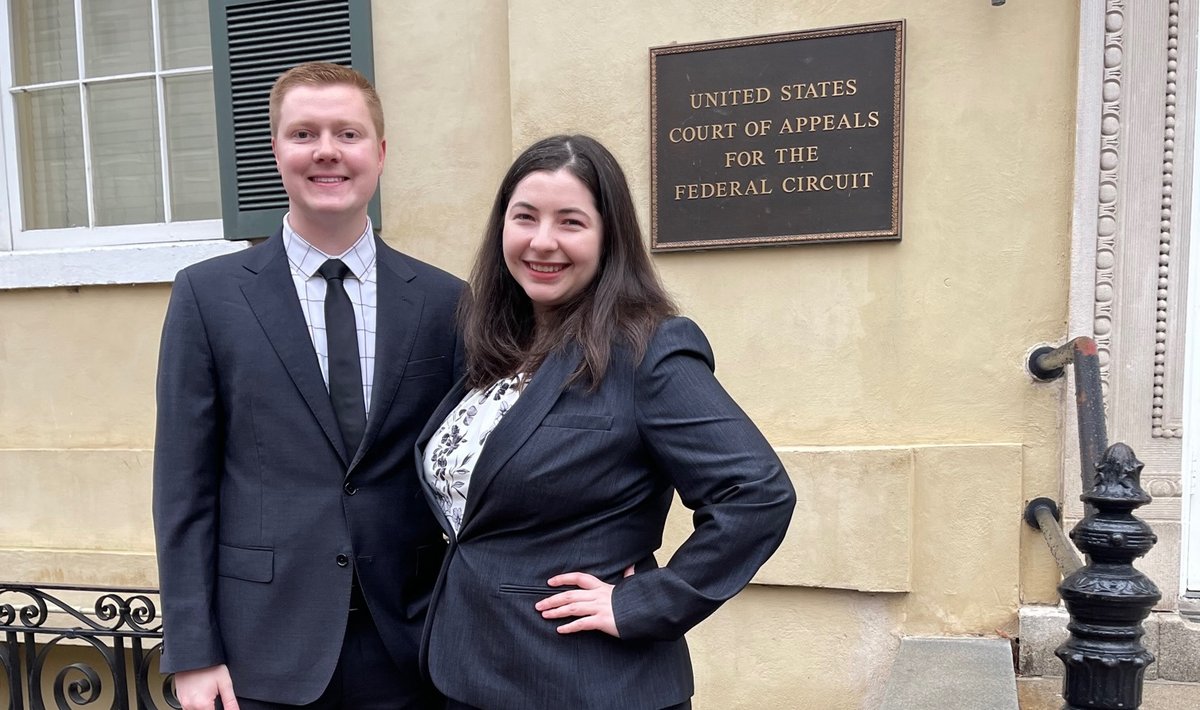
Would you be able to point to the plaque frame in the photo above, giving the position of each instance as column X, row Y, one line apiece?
column 892, row 232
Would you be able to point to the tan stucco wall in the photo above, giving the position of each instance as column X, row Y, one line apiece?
column 888, row 374
column 442, row 70
column 76, row 429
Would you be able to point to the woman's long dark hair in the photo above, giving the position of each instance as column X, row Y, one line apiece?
column 622, row 305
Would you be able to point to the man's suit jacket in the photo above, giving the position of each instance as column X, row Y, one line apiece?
column 260, row 515
column 571, row 481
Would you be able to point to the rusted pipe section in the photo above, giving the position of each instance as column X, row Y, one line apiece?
column 1048, row 363
column 1042, row 515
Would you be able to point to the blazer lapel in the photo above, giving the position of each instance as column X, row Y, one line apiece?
column 398, row 315
column 518, row 425
column 272, row 297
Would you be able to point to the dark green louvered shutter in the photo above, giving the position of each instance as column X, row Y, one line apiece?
column 254, row 41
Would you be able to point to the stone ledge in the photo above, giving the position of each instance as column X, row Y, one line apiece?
column 1178, row 649
column 1046, row 694
column 82, row 567
column 1173, row 639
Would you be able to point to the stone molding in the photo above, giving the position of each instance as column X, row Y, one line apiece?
column 1163, row 425
column 1105, row 227
column 1131, row 221
column 1172, row 638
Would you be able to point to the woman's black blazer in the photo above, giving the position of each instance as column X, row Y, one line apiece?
column 572, row 481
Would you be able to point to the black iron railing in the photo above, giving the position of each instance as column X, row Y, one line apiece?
column 1104, row 660
column 72, row 646
column 1046, row 364
column 1042, row 514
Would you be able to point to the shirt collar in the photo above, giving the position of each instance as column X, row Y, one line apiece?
column 306, row 258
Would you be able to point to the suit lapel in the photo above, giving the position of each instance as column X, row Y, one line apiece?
column 398, row 314
column 517, row 426
column 272, row 297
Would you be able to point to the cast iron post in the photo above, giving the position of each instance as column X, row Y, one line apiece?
column 1108, row 599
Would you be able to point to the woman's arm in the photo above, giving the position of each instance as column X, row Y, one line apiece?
column 724, row 470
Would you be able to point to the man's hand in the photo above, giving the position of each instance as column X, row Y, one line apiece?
column 199, row 689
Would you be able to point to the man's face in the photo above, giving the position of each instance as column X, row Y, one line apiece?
column 329, row 156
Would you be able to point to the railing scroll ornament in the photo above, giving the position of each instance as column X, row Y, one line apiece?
column 56, row 653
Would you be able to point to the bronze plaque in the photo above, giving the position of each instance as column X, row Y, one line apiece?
column 779, row 139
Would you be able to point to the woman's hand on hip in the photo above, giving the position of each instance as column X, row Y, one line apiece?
column 591, row 603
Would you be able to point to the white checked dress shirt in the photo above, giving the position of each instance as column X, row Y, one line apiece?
column 304, row 259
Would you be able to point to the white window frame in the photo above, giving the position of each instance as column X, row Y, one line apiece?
column 141, row 253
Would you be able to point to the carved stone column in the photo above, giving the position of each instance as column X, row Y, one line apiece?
column 1131, row 236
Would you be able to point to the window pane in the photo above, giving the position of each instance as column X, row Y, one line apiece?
column 192, row 147
column 117, row 37
column 126, row 169
column 43, row 33
column 184, row 33
column 53, row 186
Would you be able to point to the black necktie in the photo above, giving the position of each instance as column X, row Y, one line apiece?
column 345, row 375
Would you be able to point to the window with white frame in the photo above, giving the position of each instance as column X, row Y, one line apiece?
column 108, row 120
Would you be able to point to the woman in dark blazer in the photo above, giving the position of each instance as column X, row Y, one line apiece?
column 552, row 466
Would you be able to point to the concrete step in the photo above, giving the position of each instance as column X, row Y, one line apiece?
column 958, row 673
column 1045, row 693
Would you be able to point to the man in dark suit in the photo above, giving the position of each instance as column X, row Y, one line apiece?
column 296, row 553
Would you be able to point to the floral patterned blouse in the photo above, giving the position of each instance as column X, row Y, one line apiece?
column 454, row 448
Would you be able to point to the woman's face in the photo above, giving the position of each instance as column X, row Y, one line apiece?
column 552, row 237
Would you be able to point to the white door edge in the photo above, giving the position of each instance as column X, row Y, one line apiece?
column 1190, row 539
